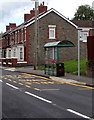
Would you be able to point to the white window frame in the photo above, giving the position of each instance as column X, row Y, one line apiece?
column 8, row 53
column 14, row 52
column 25, row 34
column 22, row 35
column 1, row 53
column 83, row 35
column 52, row 28
column 19, row 53
column 16, row 36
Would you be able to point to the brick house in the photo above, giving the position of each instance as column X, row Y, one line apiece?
column 18, row 41
column 86, row 27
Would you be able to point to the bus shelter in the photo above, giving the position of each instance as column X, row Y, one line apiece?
column 52, row 57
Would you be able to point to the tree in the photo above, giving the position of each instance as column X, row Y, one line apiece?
column 84, row 12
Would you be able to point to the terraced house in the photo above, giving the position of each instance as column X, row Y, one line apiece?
column 17, row 43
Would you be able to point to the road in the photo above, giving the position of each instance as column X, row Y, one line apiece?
column 31, row 96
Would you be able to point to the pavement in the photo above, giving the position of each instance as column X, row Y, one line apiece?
column 82, row 80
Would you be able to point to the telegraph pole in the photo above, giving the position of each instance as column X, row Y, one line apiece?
column 36, row 36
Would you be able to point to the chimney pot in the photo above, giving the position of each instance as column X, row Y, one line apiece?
column 42, row 8
column 7, row 28
column 43, row 3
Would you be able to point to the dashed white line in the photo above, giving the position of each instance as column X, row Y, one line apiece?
column 79, row 114
column 1, row 81
column 12, row 86
column 48, row 101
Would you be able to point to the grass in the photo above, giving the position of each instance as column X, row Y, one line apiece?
column 72, row 66
column 41, row 68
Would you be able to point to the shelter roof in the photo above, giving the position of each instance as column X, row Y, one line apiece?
column 64, row 43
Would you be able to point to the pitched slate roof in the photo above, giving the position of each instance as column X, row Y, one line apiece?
column 55, row 11
column 41, row 15
column 84, row 23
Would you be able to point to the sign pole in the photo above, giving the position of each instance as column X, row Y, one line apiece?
column 79, row 52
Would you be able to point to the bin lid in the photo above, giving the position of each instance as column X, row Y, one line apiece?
column 64, row 43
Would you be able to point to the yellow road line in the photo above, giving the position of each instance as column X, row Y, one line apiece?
column 14, row 81
column 41, row 80
column 81, row 85
column 50, row 82
column 75, row 84
column 28, row 83
column 48, row 89
column 44, row 82
column 84, row 88
column 28, row 80
column 28, row 86
column 36, row 82
column 9, row 79
column 21, row 83
column 37, row 89
column 21, row 80
column 35, row 76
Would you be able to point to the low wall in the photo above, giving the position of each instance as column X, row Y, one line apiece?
column 12, row 62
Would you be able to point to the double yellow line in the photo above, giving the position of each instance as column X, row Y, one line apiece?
column 75, row 84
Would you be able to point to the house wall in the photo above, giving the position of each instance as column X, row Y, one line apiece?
column 26, row 38
column 15, row 41
column 64, row 31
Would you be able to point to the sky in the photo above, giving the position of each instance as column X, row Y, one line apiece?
column 12, row 11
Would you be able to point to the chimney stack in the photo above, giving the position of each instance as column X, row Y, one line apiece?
column 11, row 25
column 42, row 8
column 27, row 17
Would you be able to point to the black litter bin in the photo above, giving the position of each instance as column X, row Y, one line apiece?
column 60, row 69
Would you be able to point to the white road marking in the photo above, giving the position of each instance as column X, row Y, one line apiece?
column 12, row 86
column 10, row 69
column 79, row 114
column 1, row 81
column 38, row 97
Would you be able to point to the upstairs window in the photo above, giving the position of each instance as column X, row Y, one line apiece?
column 84, row 35
column 52, row 31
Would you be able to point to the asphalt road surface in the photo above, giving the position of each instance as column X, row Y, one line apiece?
column 30, row 96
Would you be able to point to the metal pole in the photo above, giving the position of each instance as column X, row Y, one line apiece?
column 36, row 36
column 78, row 53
